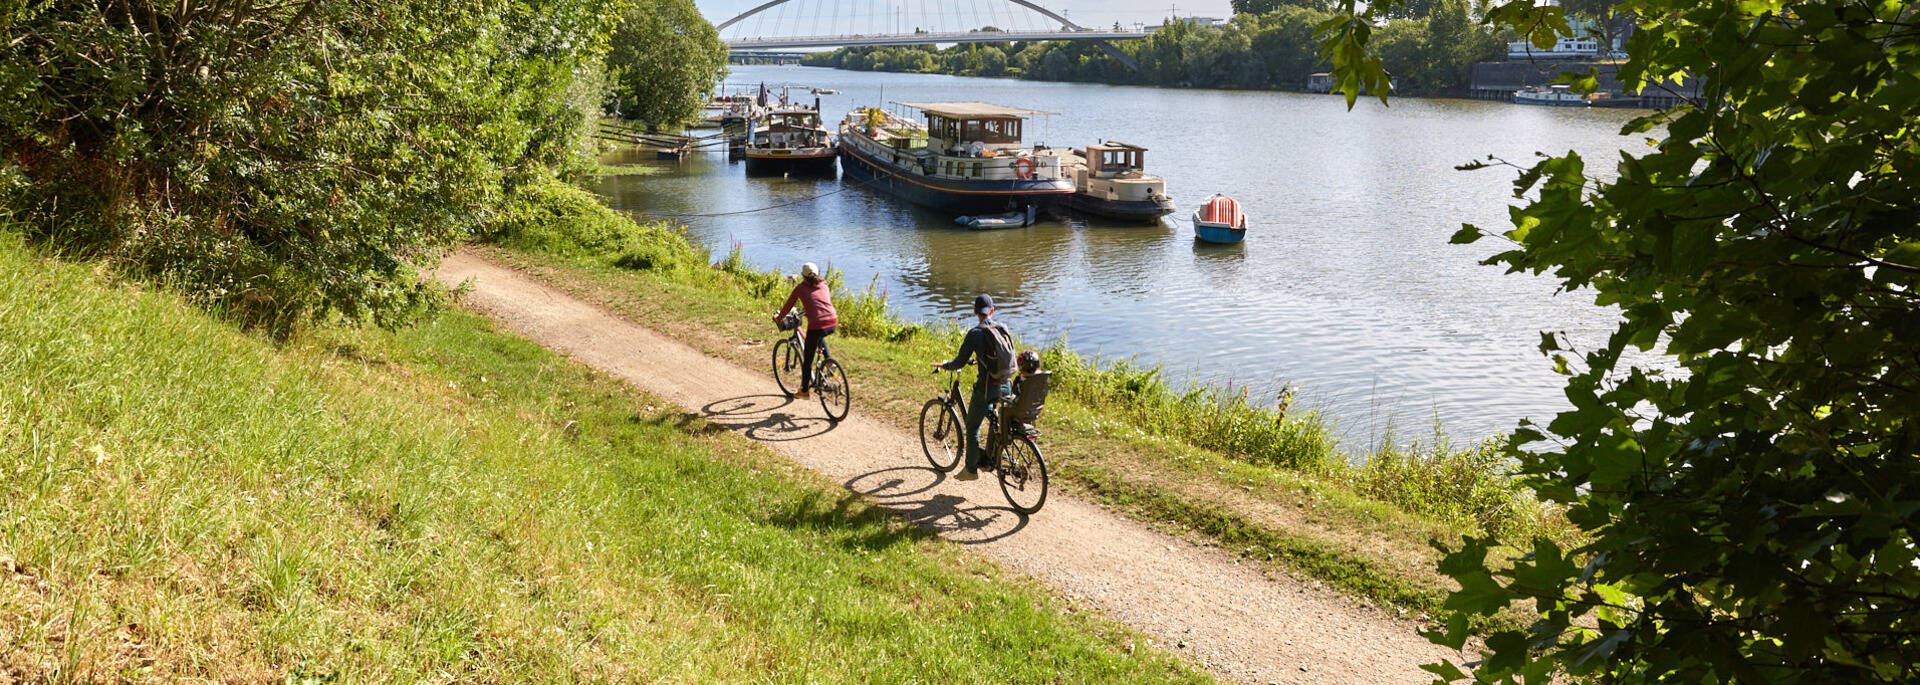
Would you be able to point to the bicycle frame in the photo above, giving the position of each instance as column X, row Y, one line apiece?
column 799, row 341
column 997, row 433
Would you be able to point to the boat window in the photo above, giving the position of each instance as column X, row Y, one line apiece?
column 976, row 168
column 996, row 130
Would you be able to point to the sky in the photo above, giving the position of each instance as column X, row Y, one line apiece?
column 815, row 17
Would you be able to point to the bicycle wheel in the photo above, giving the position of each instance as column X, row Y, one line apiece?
column 786, row 366
column 835, row 395
column 942, row 438
column 1023, row 474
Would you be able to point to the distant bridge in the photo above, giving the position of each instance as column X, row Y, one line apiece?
column 894, row 24
column 741, row 44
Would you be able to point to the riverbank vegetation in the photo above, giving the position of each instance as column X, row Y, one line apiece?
column 1263, row 479
column 186, row 501
column 1748, row 512
column 290, row 162
column 1269, row 46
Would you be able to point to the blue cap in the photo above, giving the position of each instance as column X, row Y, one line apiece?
column 981, row 303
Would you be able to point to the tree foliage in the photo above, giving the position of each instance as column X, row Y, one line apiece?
column 664, row 62
column 1752, row 494
column 1610, row 20
column 1272, row 49
column 284, row 159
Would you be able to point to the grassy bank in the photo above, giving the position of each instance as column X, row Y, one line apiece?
column 446, row 503
column 1265, row 480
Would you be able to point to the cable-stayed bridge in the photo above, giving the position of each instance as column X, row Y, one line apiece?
column 791, row 24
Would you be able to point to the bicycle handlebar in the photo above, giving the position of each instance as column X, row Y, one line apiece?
column 938, row 369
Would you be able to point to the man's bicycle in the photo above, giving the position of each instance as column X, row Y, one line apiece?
column 1010, row 450
column 829, row 380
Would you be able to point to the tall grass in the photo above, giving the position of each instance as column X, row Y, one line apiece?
column 1208, row 416
column 184, row 502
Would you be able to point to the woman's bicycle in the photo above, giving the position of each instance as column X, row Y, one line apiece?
column 829, row 380
column 1011, row 452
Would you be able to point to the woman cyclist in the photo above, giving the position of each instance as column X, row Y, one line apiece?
column 813, row 296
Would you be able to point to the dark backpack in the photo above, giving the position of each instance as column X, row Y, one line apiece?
column 996, row 356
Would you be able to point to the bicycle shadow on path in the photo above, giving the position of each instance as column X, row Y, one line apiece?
column 908, row 492
column 769, row 418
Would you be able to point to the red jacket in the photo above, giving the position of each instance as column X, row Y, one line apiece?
column 816, row 300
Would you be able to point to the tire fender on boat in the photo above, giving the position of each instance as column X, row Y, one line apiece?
column 1024, row 166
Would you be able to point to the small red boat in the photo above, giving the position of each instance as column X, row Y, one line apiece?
column 1219, row 221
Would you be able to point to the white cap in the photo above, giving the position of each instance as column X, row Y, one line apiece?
column 808, row 270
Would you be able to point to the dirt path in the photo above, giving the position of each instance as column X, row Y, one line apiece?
column 1239, row 622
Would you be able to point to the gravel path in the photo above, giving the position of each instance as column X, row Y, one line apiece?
column 1237, row 621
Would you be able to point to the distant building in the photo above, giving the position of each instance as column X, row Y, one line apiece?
column 1581, row 43
column 1320, row 83
column 1215, row 22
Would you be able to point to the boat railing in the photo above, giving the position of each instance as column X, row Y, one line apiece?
column 994, row 168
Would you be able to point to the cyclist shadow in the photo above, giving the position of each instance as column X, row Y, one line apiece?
column 767, row 418
column 908, row 491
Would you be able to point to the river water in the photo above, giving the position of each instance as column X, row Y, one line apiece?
column 1346, row 287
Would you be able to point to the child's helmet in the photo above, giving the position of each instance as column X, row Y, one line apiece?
column 1029, row 362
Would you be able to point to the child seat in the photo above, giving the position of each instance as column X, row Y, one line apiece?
column 1029, row 397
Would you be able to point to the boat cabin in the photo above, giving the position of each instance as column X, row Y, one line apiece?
column 972, row 129
column 791, row 128
column 1114, row 159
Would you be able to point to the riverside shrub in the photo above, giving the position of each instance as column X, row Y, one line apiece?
column 553, row 216
column 286, row 160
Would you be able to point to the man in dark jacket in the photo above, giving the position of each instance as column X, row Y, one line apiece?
column 991, row 344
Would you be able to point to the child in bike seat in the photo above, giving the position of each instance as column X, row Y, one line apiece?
column 1029, row 391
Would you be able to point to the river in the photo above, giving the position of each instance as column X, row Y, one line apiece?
column 1346, row 287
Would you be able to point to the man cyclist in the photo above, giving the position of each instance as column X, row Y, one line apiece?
column 814, row 297
column 991, row 344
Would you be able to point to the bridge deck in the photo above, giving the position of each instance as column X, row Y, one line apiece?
column 923, row 38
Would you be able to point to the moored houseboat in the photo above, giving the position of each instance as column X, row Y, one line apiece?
column 1551, row 96
column 966, row 159
column 791, row 142
column 1110, row 180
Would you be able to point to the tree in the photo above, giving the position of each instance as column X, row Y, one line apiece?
column 284, row 160
column 1455, row 42
column 665, row 59
column 1411, row 9
column 1609, row 19
column 1752, row 505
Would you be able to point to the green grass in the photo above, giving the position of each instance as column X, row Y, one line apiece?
column 626, row 169
column 186, row 501
column 1210, row 462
